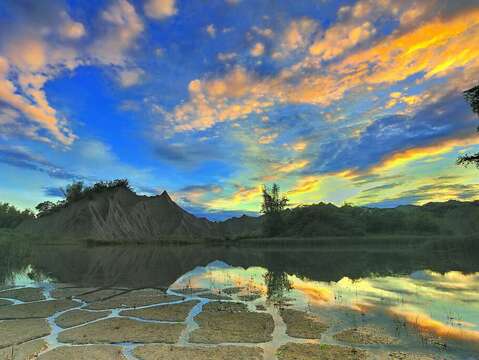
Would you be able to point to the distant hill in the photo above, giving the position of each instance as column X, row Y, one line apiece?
column 117, row 214
column 120, row 215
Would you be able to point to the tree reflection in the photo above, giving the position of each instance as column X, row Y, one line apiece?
column 277, row 285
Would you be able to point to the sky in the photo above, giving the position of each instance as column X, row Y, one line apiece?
column 354, row 101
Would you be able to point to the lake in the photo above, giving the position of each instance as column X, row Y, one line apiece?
column 241, row 302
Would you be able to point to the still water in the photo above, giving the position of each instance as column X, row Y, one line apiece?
column 274, row 302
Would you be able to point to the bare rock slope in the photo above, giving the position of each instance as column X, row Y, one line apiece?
column 120, row 215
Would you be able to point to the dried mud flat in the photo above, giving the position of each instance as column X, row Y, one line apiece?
column 166, row 352
column 303, row 325
column 28, row 350
column 14, row 332
column 41, row 309
column 93, row 352
column 23, row 294
column 78, row 317
column 132, row 299
column 366, row 336
column 118, row 330
column 292, row 351
column 227, row 322
column 173, row 312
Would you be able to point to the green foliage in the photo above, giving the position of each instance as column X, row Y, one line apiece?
column 472, row 97
column 449, row 218
column 272, row 207
column 10, row 216
column 78, row 191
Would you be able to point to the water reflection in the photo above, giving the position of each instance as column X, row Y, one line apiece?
column 426, row 299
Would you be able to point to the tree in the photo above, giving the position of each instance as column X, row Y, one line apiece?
column 472, row 97
column 45, row 207
column 273, row 205
column 74, row 191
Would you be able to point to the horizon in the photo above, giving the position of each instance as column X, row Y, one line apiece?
column 336, row 101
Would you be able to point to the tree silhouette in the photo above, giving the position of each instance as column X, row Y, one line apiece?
column 273, row 205
column 472, row 97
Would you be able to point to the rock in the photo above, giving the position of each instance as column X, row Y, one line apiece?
column 23, row 294
column 94, row 352
column 169, row 352
column 230, row 323
column 78, row 317
column 28, row 350
column 42, row 309
column 133, row 299
column 173, row 312
column 366, row 336
column 13, row 332
column 292, row 351
column 117, row 330
column 302, row 325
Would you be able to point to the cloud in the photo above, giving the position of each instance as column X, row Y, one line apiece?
column 22, row 158
column 122, row 27
column 211, row 30
column 130, row 77
column 266, row 32
column 257, row 49
column 53, row 192
column 297, row 36
column 160, row 9
column 267, row 139
column 227, row 56
column 71, row 29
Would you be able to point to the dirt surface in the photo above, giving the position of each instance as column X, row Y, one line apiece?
column 231, row 323
column 167, row 352
column 42, row 309
column 99, row 294
column 95, row 352
column 232, row 290
column 24, row 294
column 70, row 291
column 251, row 297
column 13, row 332
column 78, row 317
column 133, row 299
column 28, row 350
column 409, row 356
column 215, row 296
column 292, row 351
column 174, row 312
column 303, row 325
column 5, row 302
column 366, row 336
column 121, row 330
column 190, row 291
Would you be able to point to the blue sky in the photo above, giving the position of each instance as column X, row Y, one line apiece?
column 343, row 101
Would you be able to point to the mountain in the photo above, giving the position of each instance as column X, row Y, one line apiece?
column 120, row 215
